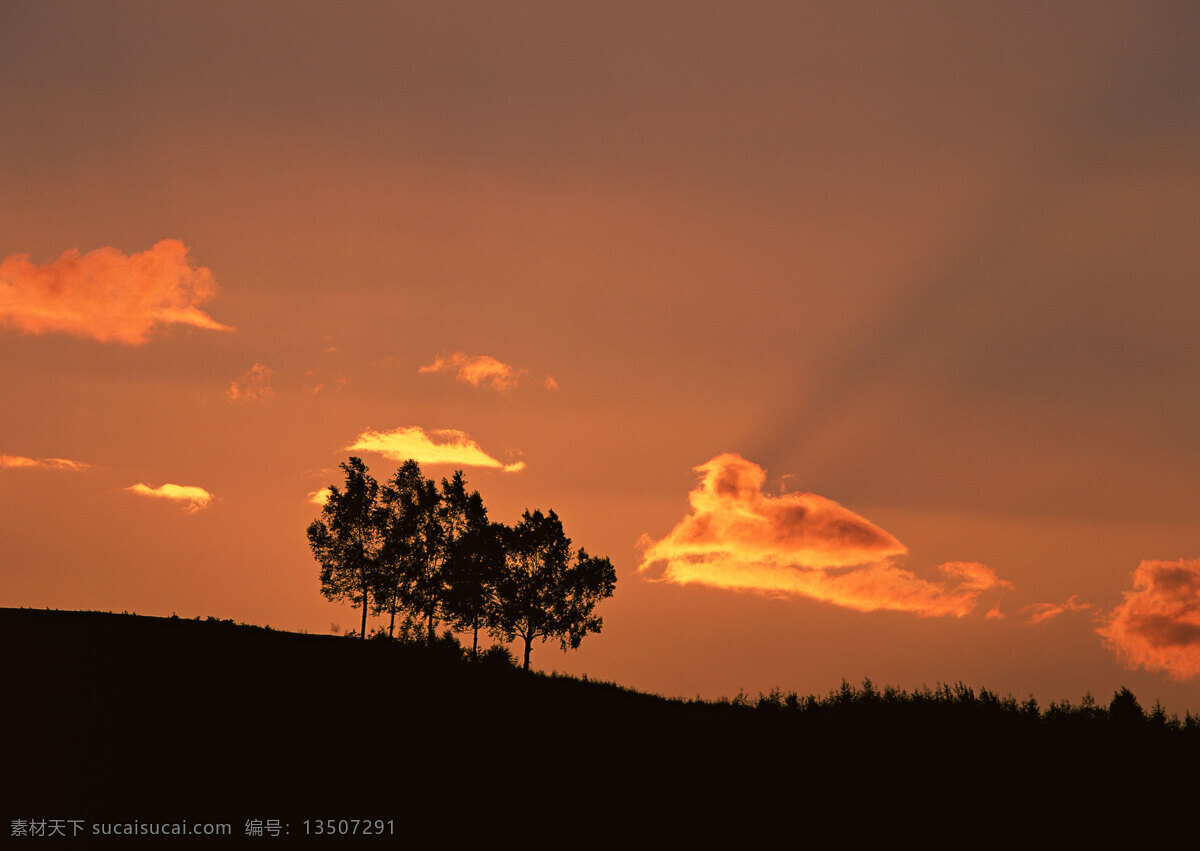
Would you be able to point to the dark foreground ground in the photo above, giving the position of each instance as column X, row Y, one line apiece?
column 126, row 719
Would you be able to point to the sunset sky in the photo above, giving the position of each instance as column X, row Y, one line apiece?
column 862, row 338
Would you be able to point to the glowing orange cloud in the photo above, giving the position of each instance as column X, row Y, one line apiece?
column 106, row 295
column 477, row 370
column 1157, row 625
column 194, row 498
column 319, row 497
column 738, row 537
column 255, row 385
column 1041, row 612
column 17, row 461
column 438, row 446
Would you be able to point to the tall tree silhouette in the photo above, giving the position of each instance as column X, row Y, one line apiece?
column 403, row 501
column 541, row 593
column 461, row 569
column 472, row 570
column 346, row 539
column 414, row 543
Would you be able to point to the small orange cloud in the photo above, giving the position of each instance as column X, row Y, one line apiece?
column 1157, row 625
column 477, row 370
column 319, row 497
column 194, row 498
column 106, row 295
column 994, row 613
column 255, row 385
column 16, row 461
column 550, row 383
column 438, row 446
column 1041, row 612
column 739, row 537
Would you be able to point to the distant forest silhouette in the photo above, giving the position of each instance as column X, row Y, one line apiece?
column 429, row 556
column 1124, row 710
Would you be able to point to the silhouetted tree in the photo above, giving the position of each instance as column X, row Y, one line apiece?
column 422, row 532
column 413, row 546
column 1125, row 708
column 472, row 569
column 402, row 499
column 540, row 593
column 459, row 513
column 346, row 539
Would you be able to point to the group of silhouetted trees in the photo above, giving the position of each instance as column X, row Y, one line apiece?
column 429, row 556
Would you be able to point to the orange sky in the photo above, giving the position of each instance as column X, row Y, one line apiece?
column 861, row 338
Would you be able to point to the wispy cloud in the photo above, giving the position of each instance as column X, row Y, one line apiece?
column 255, row 385
column 319, row 497
column 438, row 446
column 19, row 461
column 107, row 295
column 192, row 498
column 478, row 370
column 739, row 537
column 1041, row 612
column 325, row 379
column 1157, row 625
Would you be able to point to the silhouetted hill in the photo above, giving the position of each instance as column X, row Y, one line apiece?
column 124, row 717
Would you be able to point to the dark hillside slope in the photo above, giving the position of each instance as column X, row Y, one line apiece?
column 122, row 716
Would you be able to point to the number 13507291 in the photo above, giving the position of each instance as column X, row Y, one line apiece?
column 349, row 827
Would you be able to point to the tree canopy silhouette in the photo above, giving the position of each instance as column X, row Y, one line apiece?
column 414, row 544
column 473, row 568
column 541, row 593
column 432, row 556
column 346, row 539
column 406, row 506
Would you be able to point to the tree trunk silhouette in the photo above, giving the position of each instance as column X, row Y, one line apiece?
column 528, row 645
column 431, row 636
column 365, row 603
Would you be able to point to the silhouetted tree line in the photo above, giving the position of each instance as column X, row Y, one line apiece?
column 425, row 555
column 1123, row 711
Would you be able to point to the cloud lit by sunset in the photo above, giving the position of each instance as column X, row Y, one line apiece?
column 437, row 446
column 1042, row 612
column 106, row 295
column 1157, row 624
column 190, row 497
column 255, row 385
column 19, row 461
column 738, row 537
column 477, row 370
